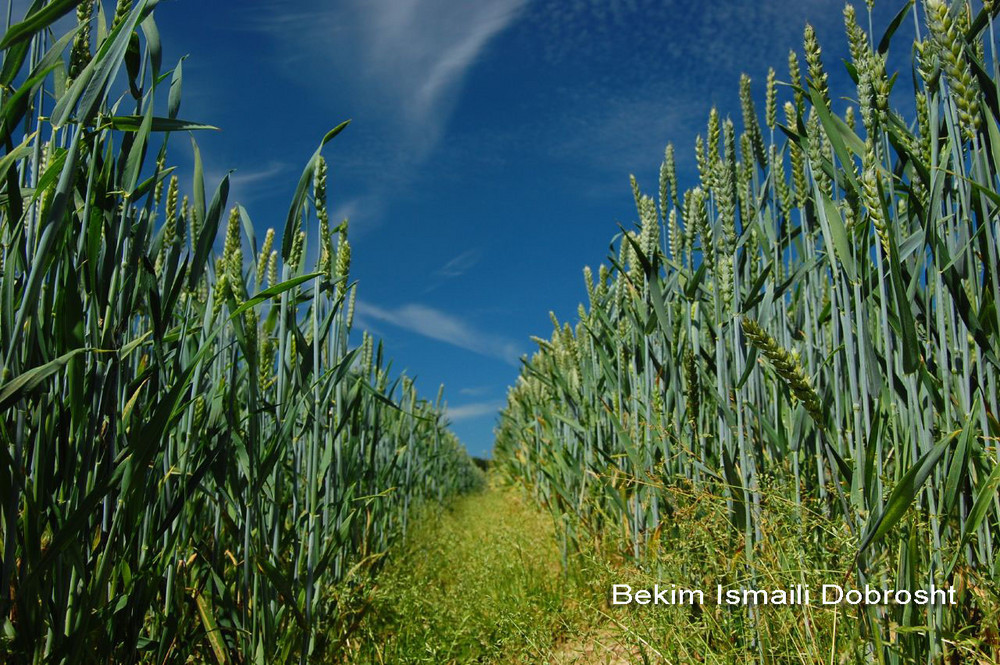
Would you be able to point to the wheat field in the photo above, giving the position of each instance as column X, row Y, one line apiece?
column 786, row 373
column 197, row 464
column 809, row 334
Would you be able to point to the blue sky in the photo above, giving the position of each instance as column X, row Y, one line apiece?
column 490, row 148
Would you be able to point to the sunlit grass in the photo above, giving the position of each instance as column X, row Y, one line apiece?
column 480, row 582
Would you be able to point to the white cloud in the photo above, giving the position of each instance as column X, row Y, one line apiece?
column 625, row 134
column 444, row 327
column 473, row 410
column 453, row 268
column 405, row 59
column 264, row 174
column 459, row 265
column 396, row 66
column 618, row 107
column 420, row 50
column 246, row 185
column 350, row 209
column 695, row 37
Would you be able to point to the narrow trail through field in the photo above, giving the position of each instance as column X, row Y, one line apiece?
column 482, row 582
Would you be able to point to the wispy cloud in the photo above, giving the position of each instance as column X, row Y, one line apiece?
column 397, row 66
column 444, row 327
column 363, row 207
column 618, row 107
column 421, row 49
column 697, row 35
column 623, row 135
column 473, row 410
column 453, row 268
column 402, row 59
column 245, row 185
column 258, row 176
column 459, row 265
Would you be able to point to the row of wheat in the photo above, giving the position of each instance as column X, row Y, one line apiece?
column 819, row 315
column 195, row 462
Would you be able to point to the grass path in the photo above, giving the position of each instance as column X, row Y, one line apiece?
column 482, row 582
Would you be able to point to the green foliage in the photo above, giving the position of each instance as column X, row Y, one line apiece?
column 479, row 582
column 865, row 281
column 192, row 463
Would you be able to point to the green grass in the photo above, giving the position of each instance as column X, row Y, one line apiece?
column 478, row 582
column 698, row 548
column 482, row 581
